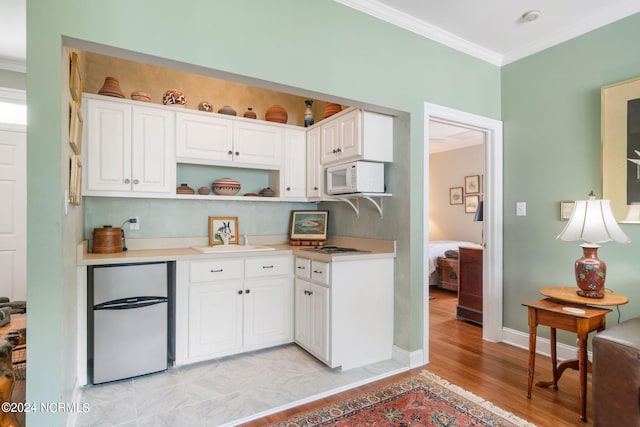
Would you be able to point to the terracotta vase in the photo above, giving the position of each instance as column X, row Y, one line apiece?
column 331, row 109
column 111, row 87
column 308, row 113
column 277, row 114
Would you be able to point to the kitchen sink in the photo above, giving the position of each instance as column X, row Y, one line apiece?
column 221, row 249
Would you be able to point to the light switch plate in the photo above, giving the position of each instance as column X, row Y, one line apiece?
column 521, row 208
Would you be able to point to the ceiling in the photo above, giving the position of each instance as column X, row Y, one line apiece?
column 492, row 30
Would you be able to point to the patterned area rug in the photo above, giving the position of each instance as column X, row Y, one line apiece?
column 422, row 400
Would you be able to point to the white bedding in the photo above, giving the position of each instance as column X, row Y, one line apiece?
column 437, row 248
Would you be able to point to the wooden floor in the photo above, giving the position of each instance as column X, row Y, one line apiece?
column 494, row 371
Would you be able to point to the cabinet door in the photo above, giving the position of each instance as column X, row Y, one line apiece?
column 153, row 147
column 314, row 168
column 215, row 318
column 302, row 313
column 201, row 138
column 349, row 127
column 295, row 164
column 329, row 142
column 268, row 311
column 470, row 285
column 319, row 321
column 108, row 146
column 257, row 144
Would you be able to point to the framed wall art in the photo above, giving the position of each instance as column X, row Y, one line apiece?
column 309, row 225
column 75, row 127
column 75, row 81
column 471, row 204
column 621, row 148
column 472, row 184
column 223, row 230
column 455, row 196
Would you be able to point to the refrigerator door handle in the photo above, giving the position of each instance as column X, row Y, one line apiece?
column 129, row 303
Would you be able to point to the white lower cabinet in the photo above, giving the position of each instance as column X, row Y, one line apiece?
column 231, row 305
column 344, row 310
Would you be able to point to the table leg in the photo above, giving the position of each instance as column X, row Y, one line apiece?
column 532, row 350
column 582, row 369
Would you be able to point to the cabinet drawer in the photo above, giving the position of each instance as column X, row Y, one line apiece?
column 320, row 272
column 303, row 268
column 267, row 266
column 210, row 270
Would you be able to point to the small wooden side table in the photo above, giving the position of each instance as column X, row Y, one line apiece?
column 552, row 312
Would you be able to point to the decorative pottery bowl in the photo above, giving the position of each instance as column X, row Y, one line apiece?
column 277, row 114
column 204, row 191
column 227, row 110
column 174, row 97
column 140, row 96
column 267, row 192
column 184, row 189
column 205, row 106
column 225, row 187
column 250, row 114
column 332, row 109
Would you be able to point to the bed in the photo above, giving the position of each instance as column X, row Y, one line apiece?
column 437, row 248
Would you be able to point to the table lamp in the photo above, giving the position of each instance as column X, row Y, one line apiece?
column 592, row 221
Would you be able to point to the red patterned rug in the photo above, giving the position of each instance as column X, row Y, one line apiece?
column 422, row 400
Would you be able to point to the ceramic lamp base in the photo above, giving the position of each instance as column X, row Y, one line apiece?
column 590, row 273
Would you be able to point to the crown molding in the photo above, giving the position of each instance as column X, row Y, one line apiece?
column 13, row 95
column 408, row 22
column 586, row 25
column 13, row 65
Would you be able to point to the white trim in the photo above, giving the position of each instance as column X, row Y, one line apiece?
column 492, row 262
column 543, row 345
column 13, row 65
column 412, row 359
column 410, row 23
column 437, row 34
column 12, row 95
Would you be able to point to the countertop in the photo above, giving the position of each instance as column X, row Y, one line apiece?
column 148, row 252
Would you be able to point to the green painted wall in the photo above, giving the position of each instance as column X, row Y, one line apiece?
column 551, row 114
column 311, row 46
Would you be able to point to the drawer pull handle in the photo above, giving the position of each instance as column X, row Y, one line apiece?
column 317, row 272
column 267, row 266
column 301, row 267
column 218, row 271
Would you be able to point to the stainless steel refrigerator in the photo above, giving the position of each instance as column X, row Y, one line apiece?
column 131, row 321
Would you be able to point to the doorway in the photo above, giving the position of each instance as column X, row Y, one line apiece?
column 492, row 262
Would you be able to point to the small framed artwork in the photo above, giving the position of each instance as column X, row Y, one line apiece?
column 471, row 204
column 223, row 230
column 309, row 225
column 566, row 209
column 455, row 195
column 74, row 77
column 75, row 128
column 472, row 184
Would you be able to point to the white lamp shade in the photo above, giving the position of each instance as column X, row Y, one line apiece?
column 593, row 222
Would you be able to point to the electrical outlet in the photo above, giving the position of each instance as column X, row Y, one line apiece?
column 134, row 223
column 521, row 208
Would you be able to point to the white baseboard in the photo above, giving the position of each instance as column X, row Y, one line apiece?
column 413, row 359
column 543, row 345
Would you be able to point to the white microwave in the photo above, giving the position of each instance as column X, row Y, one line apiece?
column 355, row 177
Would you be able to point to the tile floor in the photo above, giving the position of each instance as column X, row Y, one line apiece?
column 221, row 392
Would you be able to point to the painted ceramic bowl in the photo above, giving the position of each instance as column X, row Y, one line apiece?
column 140, row 96
column 267, row 192
column 225, row 187
column 205, row 106
column 174, row 97
column 204, row 191
column 184, row 189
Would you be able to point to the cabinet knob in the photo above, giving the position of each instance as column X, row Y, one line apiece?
column 339, row 150
column 315, row 188
column 127, row 181
column 237, row 153
column 135, row 181
column 240, row 292
column 247, row 291
column 310, row 293
column 334, row 151
column 230, row 153
column 288, row 188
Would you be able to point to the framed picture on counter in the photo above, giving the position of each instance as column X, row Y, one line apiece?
column 223, row 230
column 309, row 225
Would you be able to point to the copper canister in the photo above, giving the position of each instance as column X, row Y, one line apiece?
column 107, row 240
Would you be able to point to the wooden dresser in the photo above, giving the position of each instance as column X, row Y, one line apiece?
column 448, row 273
column 470, row 284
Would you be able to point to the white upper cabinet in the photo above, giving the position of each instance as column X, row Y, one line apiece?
column 215, row 140
column 294, row 169
column 356, row 135
column 129, row 149
column 203, row 138
column 314, row 168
